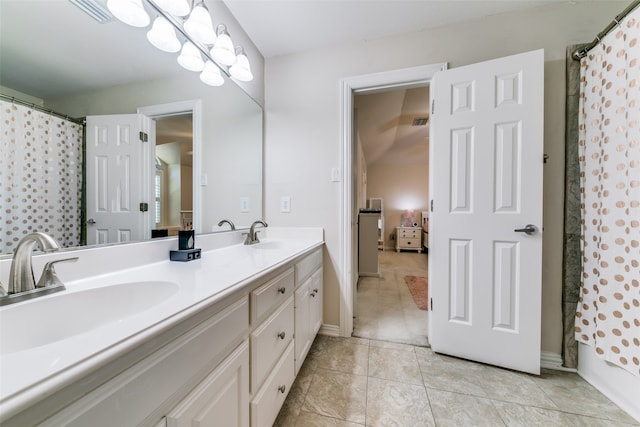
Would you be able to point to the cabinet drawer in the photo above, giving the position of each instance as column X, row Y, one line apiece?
column 307, row 265
column 268, row 401
column 408, row 233
column 268, row 342
column 270, row 295
column 412, row 243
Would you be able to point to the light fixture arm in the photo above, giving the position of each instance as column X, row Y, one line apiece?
column 180, row 28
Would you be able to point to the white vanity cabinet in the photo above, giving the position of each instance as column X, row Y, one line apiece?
column 230, row 362
column 308, row 304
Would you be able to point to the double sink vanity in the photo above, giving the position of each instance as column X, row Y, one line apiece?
column 136, row 339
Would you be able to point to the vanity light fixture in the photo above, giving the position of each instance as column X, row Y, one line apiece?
column 196, row 30
column 190, row 58
column 222, row 50
column 130, row 12
column 163, row 36
column 241, row 70
column 211, row 75
column 199, row 24
column 175, row 7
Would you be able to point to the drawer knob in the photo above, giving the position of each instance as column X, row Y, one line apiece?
column 281, row 335
column 282, row 389
column 282, row 290
column 315, row 291
column 313, row 294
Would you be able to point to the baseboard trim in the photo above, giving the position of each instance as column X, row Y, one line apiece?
column 553, row 361
column 330, row 330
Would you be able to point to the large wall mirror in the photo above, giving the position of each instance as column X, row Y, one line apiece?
column 206, row 161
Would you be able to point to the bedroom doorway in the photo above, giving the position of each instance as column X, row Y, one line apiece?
column 391, row 131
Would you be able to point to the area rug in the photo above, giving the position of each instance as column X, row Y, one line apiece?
column 419, row 290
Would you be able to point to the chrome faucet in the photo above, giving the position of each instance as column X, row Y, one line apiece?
column 252, row 236
column 21, row 272
column 233, row 227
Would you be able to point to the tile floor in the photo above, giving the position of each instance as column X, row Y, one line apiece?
column 348, row 382
column 385, row 309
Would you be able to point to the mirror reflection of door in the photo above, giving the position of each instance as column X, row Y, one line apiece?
column 173, row 174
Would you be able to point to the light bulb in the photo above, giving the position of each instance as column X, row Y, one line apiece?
column 199, row 25
column 241, row 70
column 130, row 12
column 211, row 75
column 223, row 51
column 174, row 7
column 190, row 58
column 163, row 36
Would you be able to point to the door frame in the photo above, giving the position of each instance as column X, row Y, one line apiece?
column 368, row 83
column 193, row 106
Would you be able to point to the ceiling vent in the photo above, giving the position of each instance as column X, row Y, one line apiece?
column 95, row 9
column 420, row 121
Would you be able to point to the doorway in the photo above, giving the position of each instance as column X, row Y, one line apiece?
column 174, row 173
column 391, row 128
column 404, row 78
column 180, row 123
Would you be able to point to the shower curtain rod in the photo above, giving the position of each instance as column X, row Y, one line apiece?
column 31, row 105
column 582, row 52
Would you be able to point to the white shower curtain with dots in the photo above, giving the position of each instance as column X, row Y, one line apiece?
column 608, row 316
column 40, row 176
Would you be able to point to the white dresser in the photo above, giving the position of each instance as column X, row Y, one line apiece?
column 408, row 238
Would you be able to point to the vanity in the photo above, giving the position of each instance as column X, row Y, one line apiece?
column 217, row 341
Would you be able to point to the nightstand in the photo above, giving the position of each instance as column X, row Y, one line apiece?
column 408, row 238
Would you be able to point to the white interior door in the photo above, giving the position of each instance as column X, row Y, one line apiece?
column 485, row 277
column 120, row 168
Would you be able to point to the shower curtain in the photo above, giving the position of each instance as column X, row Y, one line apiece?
column 40, row 176
column 608, row 315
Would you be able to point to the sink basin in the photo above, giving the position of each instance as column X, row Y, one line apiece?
column 45, row 320
column 270, row 245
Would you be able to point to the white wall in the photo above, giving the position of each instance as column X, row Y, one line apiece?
column 402, row 187
column 614, row 382
column 303, row 129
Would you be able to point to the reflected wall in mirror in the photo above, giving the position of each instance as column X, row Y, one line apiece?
column 56, row 56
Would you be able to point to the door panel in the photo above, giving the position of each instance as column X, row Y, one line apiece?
column 487, row 137
column 118, row 178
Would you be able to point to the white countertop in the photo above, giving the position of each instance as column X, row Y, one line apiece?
column 28, row 375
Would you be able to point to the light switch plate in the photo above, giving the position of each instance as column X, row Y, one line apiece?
column 335, row 175
column 285, row 204
column 244, row 204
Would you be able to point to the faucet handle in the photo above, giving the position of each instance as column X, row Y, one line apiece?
column 49, row 278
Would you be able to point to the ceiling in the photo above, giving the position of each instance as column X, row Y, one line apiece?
column 280, row 27
column 385, row 127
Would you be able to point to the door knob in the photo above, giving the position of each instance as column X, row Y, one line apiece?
column 91, row 221
column 529, row 229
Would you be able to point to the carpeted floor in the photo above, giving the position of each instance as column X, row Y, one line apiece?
column 385, row 309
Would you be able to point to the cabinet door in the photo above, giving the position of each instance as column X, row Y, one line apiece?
column 221, row 399
column 315, row 315
column 302, row 325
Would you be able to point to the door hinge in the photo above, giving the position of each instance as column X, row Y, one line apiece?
column 144, row 137
column 431, row 303
column 431, row 205
column 433, row 106
column 144, row 207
